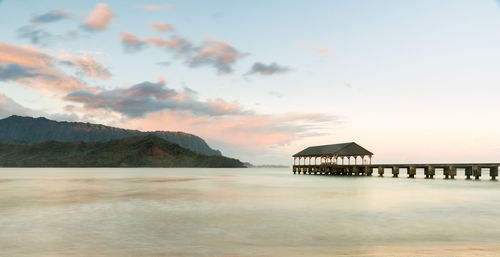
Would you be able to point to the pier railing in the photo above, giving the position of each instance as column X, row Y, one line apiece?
column 448, row 170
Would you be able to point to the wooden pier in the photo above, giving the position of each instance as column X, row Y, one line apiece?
column 449, row 171
column 336, row 160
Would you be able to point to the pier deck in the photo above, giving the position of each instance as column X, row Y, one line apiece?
column 449, row 170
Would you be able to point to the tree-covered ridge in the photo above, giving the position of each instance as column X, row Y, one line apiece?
column 37, row 130
column 140, row 151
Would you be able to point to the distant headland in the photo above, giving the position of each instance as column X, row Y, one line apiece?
column 39, row 142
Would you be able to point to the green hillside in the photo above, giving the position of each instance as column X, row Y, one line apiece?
column 38, row 130
column 140, row 151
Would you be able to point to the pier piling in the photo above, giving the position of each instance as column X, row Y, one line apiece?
column 453, row 171
column 468, row 172
column 446, row 172
column 412, row 171
column 395, row 171
column 494, row 172
column 431, row 170
column 476, row 170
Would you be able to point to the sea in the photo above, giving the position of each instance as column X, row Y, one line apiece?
column 243, row 212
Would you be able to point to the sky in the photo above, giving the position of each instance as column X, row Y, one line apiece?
column 411, row 81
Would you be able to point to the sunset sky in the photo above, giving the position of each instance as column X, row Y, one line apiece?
column 260, row 80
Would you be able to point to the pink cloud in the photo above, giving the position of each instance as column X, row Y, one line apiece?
column 24, row 56
column 174, row 43
column 217, row 53
column 323, row 49
column 250, row 132
column 131, row 42
column 100, row 18
column 152, row 7
column 87, row 66
column 130, row 38
column 210, row 52
column 44, row 74
column 162, row 27
column 143, row 98
column 158, row 42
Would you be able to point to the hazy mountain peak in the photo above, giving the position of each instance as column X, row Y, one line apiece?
column 41, row 129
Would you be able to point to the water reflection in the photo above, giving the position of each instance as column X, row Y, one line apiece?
column 235, row 212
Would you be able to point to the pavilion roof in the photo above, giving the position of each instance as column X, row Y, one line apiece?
column 344, row 149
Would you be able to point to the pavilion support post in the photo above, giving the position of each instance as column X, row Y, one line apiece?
column 381, row 171
column 355, row 170
column 369, row 170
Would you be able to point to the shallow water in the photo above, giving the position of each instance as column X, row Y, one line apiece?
column 242, row 212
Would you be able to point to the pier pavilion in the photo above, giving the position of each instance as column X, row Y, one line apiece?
column 333, row 154
column 342, row 159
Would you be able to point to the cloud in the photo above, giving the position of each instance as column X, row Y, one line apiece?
column 152, row 7
column 9, row 107
column 39, row 69
column 35, row 34
column 323, row 49
column 161, row 27
column 130, row 42
column 39, row 36
column 258, row 131
column 100, row 18
column 24, row 56
column 52, row 16
column 190, row 91
column 216, row 53
column 177, row 45
column 271, row 69
column 87, row 66
column 147, row 97
column 15, row 71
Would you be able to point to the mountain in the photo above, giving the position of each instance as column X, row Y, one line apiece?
column 36, row 130
column 139, row 151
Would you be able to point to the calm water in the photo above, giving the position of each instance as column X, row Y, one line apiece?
column 242, row 212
